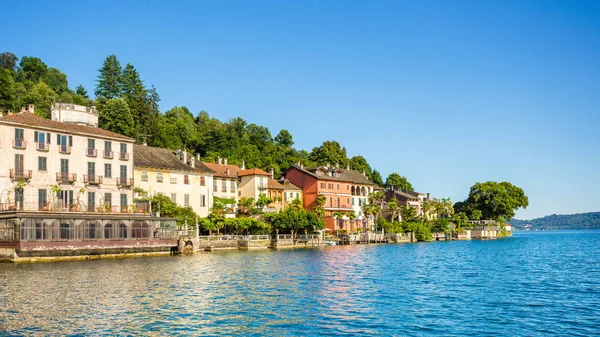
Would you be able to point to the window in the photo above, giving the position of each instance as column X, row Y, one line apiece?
column 91, row 169
column 186, row 179
column 173, row 180
column 202, row 181
column 42, row 198
column 359, row 202
column 91, row 201
column 285, row 195
column 339, row 204
column 123, row 202
column 224, row 185
column 338, row 187
column 91, row 143
column 330, row 186
column 202, row 201
column 322, row 185
column 186, row 200
column 64, row 165
column 123, row 147
column 108, row 201
column 348, row 201
column 233, row 186
column 330, row 202
column 347, row 187
column 215, row 185
column 123, row 172
column 352, row 201
column 41, row 137
column 174, row 197
column 42, row 164
column 108, row 170
column 159, row 177
column 107, row 146
column 297, row 195
column 144, row 176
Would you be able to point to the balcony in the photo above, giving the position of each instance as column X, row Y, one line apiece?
column 64, row 149
column 19, row 144
column 262, row 187
column 124, row 182
column 65, row 177
column 91, row 152
column 43, row 147
column 107, row 154
column 92, row 180
column 124, row 155
column 20, row 175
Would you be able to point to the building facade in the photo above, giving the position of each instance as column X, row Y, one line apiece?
column 76, row 114
column 46, row 165
column 175, row 174
column 225, row 183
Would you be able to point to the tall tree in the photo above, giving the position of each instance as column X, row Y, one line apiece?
column 108, row 83
column 80, row 90
column 7, row 90
column 8, row 61
column 114, row 115
column 376, row 178
column 31, row 69
column 495, row 200
column 135, row 94
column 56, row 80
column 399, row 182
column 359, row 163
column 42, row 96
column 331, row 152
column 284, row 138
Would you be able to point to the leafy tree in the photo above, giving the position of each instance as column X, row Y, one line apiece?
column 296, row 220
column 8, row 61
column 109, row 82
column 399, row 182
column 376, row 178
column 421, row 230
column 167, row 208
column 475, row 214
column 359, row 163
column 7, row 90
column 393, row 208
column 42, row 96
column 114, row 115
column 31, row 69
column 246, row 206
column 263, row 201
column 56, row 80
column 495, row 200
column 284, row 138
column 331, row 152
column 409, row 214
column 319, row 208
column 80, row 90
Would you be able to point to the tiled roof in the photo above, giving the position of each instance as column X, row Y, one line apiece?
column 166, row 159
column 405, row 194
column 221, row 170
column 32, row 120
column 253, row 172
column 288, row 185
column 343, row 175
column 275, row 185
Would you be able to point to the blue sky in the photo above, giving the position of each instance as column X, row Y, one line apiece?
column 447, row 93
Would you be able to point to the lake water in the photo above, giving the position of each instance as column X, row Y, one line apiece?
column 531, row 284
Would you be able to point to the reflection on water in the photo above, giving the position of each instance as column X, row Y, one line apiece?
column 526, row 285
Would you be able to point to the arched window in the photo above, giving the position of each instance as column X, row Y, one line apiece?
column 90, row 229
column 35, row 229
column 140, row 229
column 63, row 230
column 122, row 231
column 108, row 230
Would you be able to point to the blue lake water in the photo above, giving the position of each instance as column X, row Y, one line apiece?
column 545, row 283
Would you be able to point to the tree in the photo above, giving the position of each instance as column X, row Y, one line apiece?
column 135, row 94
column 359, row 163
column 319, row 208
column 109, row 82
column 376, row 178
column 475, row 214
column 284, row 138
column 80, row 90
column 56, row 80
column 393, row 208
column 8, row 61
column 7, row 90
column 398, row 181
column 331, row 152
column 408, row 213
column 114, row 115
column 263, row 201
column 496, row 201
column 31, row 69
column 42, row 96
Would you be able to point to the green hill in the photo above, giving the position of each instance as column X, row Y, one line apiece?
column 560, row 221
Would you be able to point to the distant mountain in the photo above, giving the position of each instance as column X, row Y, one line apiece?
column 560, row 221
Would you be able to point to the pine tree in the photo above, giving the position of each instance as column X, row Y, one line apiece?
column 7, row 90
column 116, row 117
column 80, row 90
column 109, row 80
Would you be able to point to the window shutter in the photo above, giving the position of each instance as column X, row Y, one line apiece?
column 70, row 140
column 35, row 136
column 58, row 139
column 48, row 137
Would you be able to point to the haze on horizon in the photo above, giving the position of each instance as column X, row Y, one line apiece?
column 445, row 93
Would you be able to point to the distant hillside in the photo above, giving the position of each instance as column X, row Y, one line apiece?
column 556, row 221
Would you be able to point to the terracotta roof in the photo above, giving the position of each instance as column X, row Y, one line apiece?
column 288, row 185
column 253, row 172
column 343, row 175
column 404, row 194
column 166, row 159
column 32, row 120
column 221, row 170
column 275, row 185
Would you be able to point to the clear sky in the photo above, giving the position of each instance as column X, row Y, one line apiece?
column 447, row 93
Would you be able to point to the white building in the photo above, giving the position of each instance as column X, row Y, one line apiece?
column 47, row 165
column 76, row 114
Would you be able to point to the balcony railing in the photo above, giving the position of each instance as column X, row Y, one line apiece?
column 107, row 154
column 65, row 177
column 21, row 175
column 125, row 182
column 92, row 180
column 262, row 187
column 19, row 144
column 91, row 152
column 124, row 155
column 43, row 146
column 66, row 149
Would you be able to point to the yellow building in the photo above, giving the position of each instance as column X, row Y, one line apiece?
column 175, row 174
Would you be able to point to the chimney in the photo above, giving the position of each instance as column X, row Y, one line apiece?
column 392, row 188
column 198, row 156
column 364, row 173
column 22, row 110
column 225, row 161
column 243, row 165
column 428, row 196
column 219, row 160
column 347, row 167
column 227, row 171
column 272, row 172
column 192, row 162
column 9, row 112
column 185, row 156
column 30, row 108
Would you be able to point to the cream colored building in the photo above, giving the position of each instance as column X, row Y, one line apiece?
column 291, row 192
column 175, row 174
column 50, row 165
column 225, row 183
column 76, row 114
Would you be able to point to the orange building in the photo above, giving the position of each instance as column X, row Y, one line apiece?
column 345, row 191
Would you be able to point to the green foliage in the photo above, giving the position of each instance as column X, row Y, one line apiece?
column 263, row 201
column 56, row 80
column 8, row 61
column 389, row 226
column 560, row 221
column 109, row 80
column 293, row 219
column 376, row 178
column 331, row 152
column 495, row 200
column 167, row 208
column 31, row 69
column 408, row 213
column 80, row 90
column 284, row 138
column 7, row 90
column 398, row 181
column 441, row 225
column 114, row 115
column 421, row 230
